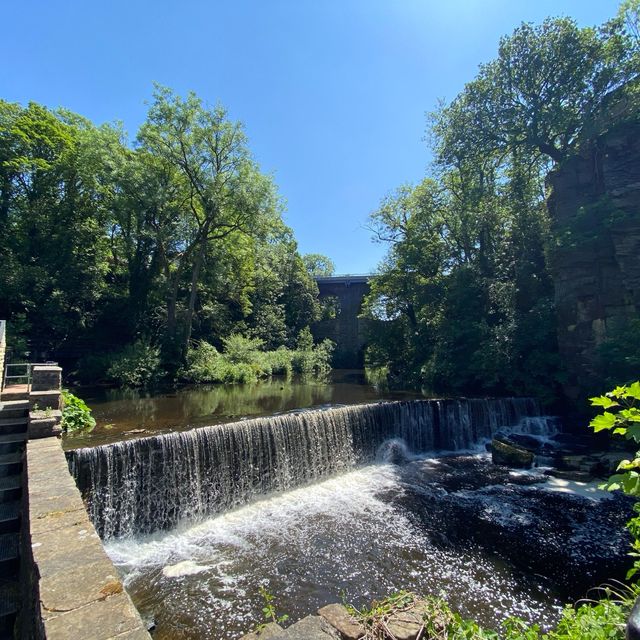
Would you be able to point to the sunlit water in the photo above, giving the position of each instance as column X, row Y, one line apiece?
column 361, row 535
column 123, row 414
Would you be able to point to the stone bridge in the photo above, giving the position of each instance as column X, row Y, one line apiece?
column 342, row 297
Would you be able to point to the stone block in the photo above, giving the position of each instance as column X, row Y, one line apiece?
column 406, row 625
column 43, row 400
column 46, row 378
column 270, row 630
column 309, row 628
column 80, row 594
column 102, row 620
column 44, row 427
column 338, row 617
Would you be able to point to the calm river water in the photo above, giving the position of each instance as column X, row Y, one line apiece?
column 123, row 414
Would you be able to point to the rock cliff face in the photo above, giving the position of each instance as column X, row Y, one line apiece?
column 595, row 211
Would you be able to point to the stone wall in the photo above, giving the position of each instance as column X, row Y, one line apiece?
column 595, row 211
column 3, row 349
column 72, row 589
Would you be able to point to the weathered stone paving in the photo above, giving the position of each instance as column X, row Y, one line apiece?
column 79, row 591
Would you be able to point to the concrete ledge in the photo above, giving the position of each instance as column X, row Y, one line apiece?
column 79, row 591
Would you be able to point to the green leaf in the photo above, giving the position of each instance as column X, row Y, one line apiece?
column 633, row 432
column 633, row 390
column 603, row 401
column 605, row 421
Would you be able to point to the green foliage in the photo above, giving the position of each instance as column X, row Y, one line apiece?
column 137, row 365
column 598, row 620
column 239, row 349
column 179, row 236
column 318, row 265
column 76, row 415
column 269, row 609
column 621, row 415
column 463, row 302
column 242, row 360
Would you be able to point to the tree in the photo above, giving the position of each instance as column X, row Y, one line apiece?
column 318, row 266
column 221, row 188
column 542, row 94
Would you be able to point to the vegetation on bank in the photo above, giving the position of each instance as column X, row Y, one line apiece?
column 120, row 255
column 243, row 360
column 464, row 301
column 76, row 415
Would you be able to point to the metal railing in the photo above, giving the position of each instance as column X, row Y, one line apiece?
column 21, row 378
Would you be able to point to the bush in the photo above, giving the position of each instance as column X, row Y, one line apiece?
column 243, row 361
column 241, row 350
column 76, row 415
column 315, row 361
column 204, row 364
column 137, row 365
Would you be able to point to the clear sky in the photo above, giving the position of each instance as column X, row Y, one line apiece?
column 333, row 93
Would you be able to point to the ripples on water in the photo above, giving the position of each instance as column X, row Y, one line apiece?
column 355, row 534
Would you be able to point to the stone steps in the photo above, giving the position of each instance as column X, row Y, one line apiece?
column 10, row 463
column 10, row 487
column 13, row 425
column 12, row 442
column 9, row 606
column 9, row 553
column 14, row 409
column 15, row 392
column 10, row 516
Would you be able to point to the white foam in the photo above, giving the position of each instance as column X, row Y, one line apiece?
column 184, row 568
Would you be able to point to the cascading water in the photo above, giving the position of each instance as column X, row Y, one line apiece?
column 153, row 483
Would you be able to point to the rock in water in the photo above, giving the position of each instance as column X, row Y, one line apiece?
column 510, row 455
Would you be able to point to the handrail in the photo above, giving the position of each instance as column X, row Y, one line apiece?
column 28, row 371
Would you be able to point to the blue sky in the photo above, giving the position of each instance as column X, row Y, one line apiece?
column 333, row 93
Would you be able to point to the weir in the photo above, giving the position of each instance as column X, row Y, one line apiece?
column 143, row 485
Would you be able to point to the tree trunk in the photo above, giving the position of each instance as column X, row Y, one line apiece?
column 195, row 275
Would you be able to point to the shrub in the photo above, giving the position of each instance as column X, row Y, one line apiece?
column 243, row 361
column 76, row 415
column 204, row 364
column 137, row 365
column 239, row 349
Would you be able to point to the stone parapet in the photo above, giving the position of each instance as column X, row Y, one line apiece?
column 75, row 589
column 46, row 377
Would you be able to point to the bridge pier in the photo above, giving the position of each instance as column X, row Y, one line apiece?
column 347, row 329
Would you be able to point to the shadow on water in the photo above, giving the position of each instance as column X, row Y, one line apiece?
column 123, row 414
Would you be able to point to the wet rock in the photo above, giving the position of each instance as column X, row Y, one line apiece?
column 510, row 455
column 309, row 628
column 523, row 441
column 572, row 443
column 338, row 617
column 270, row 630
column 574, row 475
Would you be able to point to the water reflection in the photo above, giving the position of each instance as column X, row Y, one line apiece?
column 122, row 414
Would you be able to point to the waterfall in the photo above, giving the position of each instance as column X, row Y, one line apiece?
column 139, row 486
